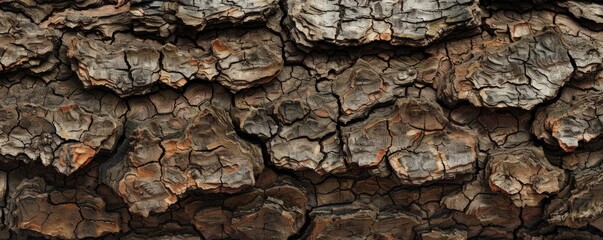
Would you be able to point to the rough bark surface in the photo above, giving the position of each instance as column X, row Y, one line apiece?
column 311, row 119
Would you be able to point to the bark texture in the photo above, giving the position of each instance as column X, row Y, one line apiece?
column 301, row 119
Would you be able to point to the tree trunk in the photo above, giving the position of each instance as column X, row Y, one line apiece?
column 301, row 119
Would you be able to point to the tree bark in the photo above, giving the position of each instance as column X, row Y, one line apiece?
column 311, row 119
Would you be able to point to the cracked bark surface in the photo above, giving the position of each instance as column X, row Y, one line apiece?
column 49, row 123
column 197, row 149
column 297, row 122
column 24, row 44
column 68, row 214
column 130, row 66
column 275, row 208
column 573, row 119
column 521, row 74
column 524, row 174
column 416, row 139
column 350, row 23
column 216, row 119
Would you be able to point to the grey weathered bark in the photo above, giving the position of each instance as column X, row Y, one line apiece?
column 301, row 119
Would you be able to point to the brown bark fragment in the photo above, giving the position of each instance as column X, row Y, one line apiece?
column 417, row 140
column 41, row 123
column 68, row 214
column 349, row 23
column 198, row 149
column 525, row 175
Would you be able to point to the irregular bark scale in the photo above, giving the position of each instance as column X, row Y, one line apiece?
column 198, row 149
column 349, row 23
